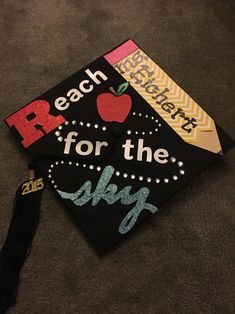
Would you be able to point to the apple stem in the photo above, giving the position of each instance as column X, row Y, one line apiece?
column 112, row 90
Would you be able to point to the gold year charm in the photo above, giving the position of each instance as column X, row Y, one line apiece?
column 33, row 184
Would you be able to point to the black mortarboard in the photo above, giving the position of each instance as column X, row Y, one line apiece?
column 115, row 140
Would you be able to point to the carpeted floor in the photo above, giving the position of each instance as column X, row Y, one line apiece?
column 181, row 260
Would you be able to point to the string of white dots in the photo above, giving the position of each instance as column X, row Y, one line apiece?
column 80, row 123
column 125, row 175
column 104, row 128
column 146, row 116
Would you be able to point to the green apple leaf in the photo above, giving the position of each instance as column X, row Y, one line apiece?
column 121, row 88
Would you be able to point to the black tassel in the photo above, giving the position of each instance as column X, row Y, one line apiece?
column 24, row 223
column 17, row 246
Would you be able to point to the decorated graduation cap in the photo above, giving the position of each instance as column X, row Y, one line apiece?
column 115, row 140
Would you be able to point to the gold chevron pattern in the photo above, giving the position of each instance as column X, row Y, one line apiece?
column 176, row 95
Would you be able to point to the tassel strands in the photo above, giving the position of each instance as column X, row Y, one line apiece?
column 17, row 246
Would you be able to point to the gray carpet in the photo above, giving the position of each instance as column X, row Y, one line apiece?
column 181, row 260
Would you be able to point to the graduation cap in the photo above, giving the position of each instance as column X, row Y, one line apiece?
column 115, row 140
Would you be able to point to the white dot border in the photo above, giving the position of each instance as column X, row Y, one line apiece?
column 80, row 123
column 146, row 116
column 104, row 128
column 125, row 175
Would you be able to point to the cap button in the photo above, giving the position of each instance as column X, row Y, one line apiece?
column 116, row 129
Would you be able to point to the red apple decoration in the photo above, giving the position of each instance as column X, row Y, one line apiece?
column 114, row 107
